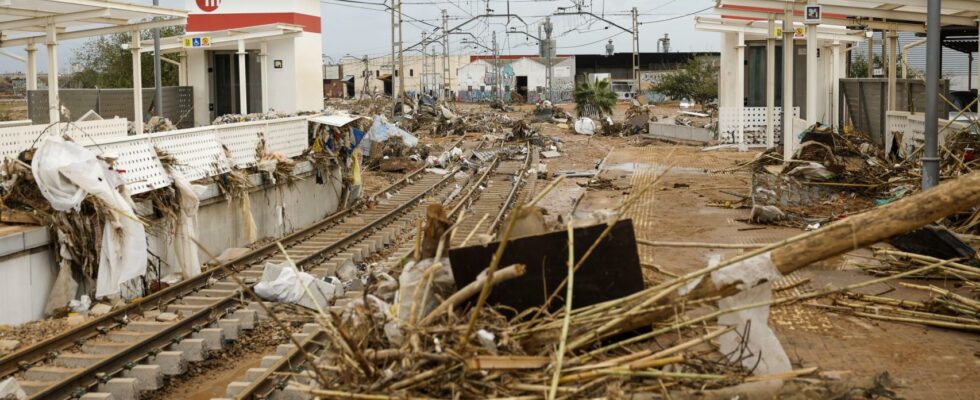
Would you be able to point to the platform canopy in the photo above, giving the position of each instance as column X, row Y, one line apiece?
column 903, row 15
column 32, row 22
column 21, row 20
column 228, row 39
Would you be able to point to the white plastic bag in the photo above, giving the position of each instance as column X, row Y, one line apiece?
column 65, row 173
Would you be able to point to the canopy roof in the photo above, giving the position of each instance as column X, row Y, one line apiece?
column 21, row 20
column 903, row 15
column 228, row 39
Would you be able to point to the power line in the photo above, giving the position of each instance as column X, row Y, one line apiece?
column 678, row 17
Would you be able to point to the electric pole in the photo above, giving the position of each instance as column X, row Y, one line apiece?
column 496, row 69
column 394, row 44
column 367, row 72
column 157, row 72
column 549, row 53
column 446, row 79
column 636, row 52
column 401, row 53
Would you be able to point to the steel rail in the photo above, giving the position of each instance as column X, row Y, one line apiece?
column 99, row 372
column 270, row 380
column 51, row 347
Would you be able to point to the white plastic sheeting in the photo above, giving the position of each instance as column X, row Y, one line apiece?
column 754, row 276
column 66, row 173
column 585, row 126
column 184, row 238
column 382, row 130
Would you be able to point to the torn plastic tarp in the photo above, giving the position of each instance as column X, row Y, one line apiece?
column 66, row 173
column 185, row 248
column 763, row 353
column 382, row 130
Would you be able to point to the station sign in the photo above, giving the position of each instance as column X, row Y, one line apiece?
column 197, row 42
column 812, row 14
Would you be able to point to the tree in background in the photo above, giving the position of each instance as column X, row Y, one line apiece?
column 697, row 80
column 859, row 66
column 102, row 62
column 598, row 95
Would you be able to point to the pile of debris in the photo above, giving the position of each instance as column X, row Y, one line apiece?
column 476, row 324
column 545, row 111
column 236, row 118
column 832, row 175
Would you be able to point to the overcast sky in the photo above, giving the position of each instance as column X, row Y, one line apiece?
column 359, row 27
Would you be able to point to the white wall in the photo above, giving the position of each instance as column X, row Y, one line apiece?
column 472, row 74
column 535, row 72
column 25, row 282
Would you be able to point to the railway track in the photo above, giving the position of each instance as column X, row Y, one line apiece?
column 129, row 350
column 492, row 193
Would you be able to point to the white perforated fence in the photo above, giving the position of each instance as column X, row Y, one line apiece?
column 14, row 140
column 753, row 122
column 199, row 152
column 910, row 128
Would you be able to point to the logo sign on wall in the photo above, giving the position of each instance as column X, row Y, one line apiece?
column 208, row 5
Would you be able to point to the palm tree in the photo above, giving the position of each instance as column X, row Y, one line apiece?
column 599, row 96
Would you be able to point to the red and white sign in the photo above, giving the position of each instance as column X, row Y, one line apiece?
column 208, row 5
column 216, row 15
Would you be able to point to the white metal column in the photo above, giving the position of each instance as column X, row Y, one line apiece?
column 835, row 84
column 54, row 102
column 812, row 47
column 788, row 141
column 771, row 83
column 740, row 92
column 31, row 66
column 892, row 70
column 242, row 80
column 264, row 72
column 134, row 46
column 182, row 69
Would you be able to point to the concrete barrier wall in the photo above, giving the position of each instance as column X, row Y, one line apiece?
column 680, row 132
column 277, row 210
column 28, row 269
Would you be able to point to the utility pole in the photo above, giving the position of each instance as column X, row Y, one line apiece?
column 401, row 53
column 636, row 51
column 425, row 66
column 367, row 73
column 548, row 28
column 157, row 72
column 635, row 32
column 446, row 79
column 930, row 158
column 394, row 45
column 496, row 69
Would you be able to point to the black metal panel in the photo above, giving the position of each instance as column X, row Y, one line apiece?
column 178, row 103
column 866, row 102
column 611, row 272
